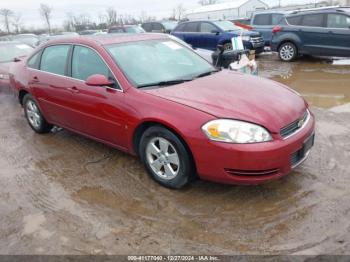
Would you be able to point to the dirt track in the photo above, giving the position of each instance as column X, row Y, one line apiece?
column 64, row 194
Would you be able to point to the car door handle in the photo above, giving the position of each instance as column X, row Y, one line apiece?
column 73, row 89
column 35, row 79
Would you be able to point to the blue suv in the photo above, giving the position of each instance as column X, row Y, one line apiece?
column 319, row 32
column 210, row 34
column 264, row 21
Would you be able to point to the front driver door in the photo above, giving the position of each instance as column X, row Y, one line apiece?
column 100, row 109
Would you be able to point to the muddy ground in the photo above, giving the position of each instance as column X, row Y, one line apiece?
column 64, row 194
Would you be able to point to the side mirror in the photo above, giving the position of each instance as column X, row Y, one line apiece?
column 98, row 80
column 216, row 32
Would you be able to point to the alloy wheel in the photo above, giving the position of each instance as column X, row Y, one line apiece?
column 33, row 114
column 287, row 52
column 163, row 158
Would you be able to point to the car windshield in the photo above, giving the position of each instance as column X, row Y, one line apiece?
column 134, row 29
column 169, row 25
column 158, row 62
column 9, row 51
column 31, row 40
column 227, row 26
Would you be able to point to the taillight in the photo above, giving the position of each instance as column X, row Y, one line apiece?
column 276, row 29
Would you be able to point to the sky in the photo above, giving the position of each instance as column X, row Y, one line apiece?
column 158, row 8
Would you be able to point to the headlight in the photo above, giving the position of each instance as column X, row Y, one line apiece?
column 4, row 76
column 234, row 131
column 246, row 38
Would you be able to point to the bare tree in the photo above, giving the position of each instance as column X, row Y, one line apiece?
column 111, row 16
column 6, row 14
column 207, row 2
column 179, row 12
column 46, row 13
column 16, row 22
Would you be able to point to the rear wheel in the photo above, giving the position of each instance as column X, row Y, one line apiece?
column 34, row 117
column 166, row 158
column 288, row 52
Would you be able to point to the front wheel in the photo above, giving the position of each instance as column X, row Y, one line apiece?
column 288, row 52
column 166, row 158
column 34, row 117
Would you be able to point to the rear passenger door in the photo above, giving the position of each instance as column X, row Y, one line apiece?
column 338, row 27
column 314, row 34
column 50, row 85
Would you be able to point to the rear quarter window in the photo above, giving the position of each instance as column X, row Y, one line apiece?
column 262, row 19
column 54, row 59
column 191, row 27
column 313, row 20
column 294, row 20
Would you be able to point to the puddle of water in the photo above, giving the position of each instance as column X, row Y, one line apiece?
column 323, row 83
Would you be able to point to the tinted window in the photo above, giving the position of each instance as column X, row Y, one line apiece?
column 147, row 27
column 338, row 21
column 207, row 28
column 263, row 19
column 87, row 62
column 315, row 20
column 294, row 20
column 54, row 59
column 180, row 28
column 157, row 27
column 116, row 30
column 276, row 18
column 191, row 27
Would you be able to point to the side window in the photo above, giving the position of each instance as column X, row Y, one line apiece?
column 157, row 27
column 207, row 28
column 338, row 21
column 54, row 59
column 191, row 27
column 276, row 18
column 294, row 20
column 180, row 28
column 147, row 27
column 116, row 30
column 262, row 19
column 86, row 62
column 33, row 62
column 314, row 20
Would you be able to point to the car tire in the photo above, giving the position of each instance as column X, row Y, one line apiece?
column 287, row 52
column 34, row 116
column 166, row 158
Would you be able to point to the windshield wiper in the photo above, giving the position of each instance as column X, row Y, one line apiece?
column 208, row 73
column 166, row 83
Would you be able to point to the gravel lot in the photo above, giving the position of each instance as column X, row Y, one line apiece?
column 64, row 194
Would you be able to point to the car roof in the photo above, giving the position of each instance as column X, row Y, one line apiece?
column 107, row 39
column 343, row 9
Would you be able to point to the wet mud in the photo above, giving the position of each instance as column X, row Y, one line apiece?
column 64, row 194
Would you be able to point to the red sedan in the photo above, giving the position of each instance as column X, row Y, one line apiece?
column 151, row 96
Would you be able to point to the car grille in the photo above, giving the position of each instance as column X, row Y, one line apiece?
column 257, row 40
column 294, row 126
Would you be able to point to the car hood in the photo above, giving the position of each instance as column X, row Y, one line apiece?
column 4, row 67
column 234, row 95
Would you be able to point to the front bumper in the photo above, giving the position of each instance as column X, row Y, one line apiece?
column 251, row 164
